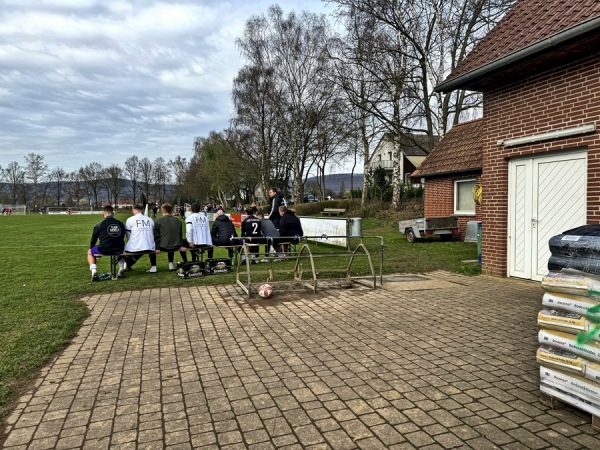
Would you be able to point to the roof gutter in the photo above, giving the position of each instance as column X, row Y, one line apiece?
column 553, row 41
column 449, row 172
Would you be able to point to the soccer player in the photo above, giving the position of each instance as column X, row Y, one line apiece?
column 290, row 229
column 167, row 233
column 111, row 234
column 251, row 231
column 197, row 232
column 140, row 238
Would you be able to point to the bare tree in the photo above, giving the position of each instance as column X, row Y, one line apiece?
column 14, row 174
column 145, row 171
column 434, row 36
column 35, row 168
column 76, row 188
column 254, row 126
column 180, row 167
column 91, row 175
column 132, row 172
column 112, row 182
column 161, row 175
column 412, row 45
column 290, row 53
column 353, row 56
column 58, row 175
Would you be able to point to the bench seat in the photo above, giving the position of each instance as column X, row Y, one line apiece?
column 333, row 212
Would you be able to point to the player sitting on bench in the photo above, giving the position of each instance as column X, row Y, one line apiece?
column 197, row 232
column 140, row 238
column 222, row 231
column 290, row 229
column 167, row 234
column 111, row 233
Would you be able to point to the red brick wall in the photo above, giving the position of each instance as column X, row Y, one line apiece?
column 562, row 98
column 439, row 199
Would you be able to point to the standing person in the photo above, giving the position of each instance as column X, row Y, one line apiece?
column 197, row 232
column 140, row 237
column 182, row 212
column 222, row 231
column 277, row 200
column 290, row 229
column 251, row 231
column 168, row 237
column 111, row 234
column 268, row 230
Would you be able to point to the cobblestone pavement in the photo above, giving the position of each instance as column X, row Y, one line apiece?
column 442, row 361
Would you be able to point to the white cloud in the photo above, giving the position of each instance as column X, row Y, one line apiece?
column 101, row 80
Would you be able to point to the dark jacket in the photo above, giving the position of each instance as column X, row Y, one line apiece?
column 276, row 202
column 251, row 229
column 167, row 233
column 221, row 231
column 290, row 225
column 111, row 233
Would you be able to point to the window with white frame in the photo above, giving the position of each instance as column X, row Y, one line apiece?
column 463, row 197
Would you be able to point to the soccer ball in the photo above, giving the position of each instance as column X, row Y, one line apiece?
column 265, row 290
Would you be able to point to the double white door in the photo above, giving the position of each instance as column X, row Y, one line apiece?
column 546, row 196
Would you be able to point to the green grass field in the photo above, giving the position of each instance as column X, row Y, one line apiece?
column 44, row 272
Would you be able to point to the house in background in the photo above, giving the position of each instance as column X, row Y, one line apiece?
column 539, row 72
column 414, row 149
column 451, row 172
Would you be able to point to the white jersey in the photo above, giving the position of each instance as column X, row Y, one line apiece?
column 140, row 233
column 197, row 229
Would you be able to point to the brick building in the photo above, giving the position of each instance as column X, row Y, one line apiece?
column 450, row 172
column 539, row 72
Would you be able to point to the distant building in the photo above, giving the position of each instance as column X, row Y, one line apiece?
column 414, row 148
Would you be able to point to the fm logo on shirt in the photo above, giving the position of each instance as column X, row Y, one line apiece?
column 141, row 223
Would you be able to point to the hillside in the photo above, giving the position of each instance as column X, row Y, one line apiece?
column 334, row 182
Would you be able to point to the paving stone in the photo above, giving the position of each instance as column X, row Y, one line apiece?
column 339, row 369
column 339, row 439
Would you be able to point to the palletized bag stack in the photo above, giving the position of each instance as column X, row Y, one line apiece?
column 570, row 368
column 577, row 249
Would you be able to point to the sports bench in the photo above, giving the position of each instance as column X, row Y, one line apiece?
column 333, row 212
column 114, row 260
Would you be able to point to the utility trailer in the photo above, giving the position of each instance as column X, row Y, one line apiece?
column 444, row 227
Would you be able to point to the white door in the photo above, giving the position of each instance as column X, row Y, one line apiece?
column 546, row 196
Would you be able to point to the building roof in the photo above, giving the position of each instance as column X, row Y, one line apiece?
column 411, row 144
column 458, row 151
column 530, row 29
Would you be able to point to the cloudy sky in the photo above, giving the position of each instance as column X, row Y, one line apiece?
column 101, row 80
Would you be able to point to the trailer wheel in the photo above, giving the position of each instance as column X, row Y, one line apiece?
column 410, row 236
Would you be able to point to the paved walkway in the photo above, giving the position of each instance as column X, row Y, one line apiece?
column 437, row 361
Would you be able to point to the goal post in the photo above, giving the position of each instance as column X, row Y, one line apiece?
column 13, row 209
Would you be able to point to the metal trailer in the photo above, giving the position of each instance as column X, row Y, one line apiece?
column 444, row 227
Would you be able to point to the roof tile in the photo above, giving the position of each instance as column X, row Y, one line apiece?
column 528, row 22
column 460, row 149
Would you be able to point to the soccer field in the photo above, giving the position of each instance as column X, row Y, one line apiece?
column 43, row 271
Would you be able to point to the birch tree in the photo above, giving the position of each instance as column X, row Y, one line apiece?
column 293, row 49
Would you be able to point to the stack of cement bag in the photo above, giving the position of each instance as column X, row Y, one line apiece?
column 570, row 370
column 578, row 249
